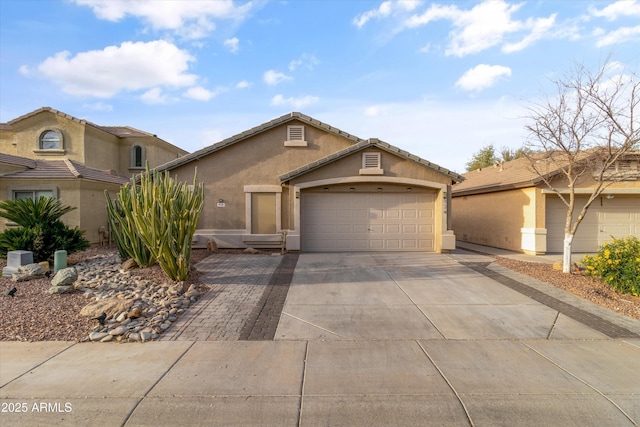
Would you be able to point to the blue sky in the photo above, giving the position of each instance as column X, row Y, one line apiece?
column 439, row 79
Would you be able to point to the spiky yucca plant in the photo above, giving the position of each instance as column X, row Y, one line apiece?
column 124, row 229
column 163, row 214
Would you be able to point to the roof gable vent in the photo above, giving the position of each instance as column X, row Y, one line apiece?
column 371, row 164
column 295, row 136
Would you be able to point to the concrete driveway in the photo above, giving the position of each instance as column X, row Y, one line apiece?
column 363, row 339
column 411, row 296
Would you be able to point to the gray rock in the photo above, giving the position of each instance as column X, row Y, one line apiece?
column 107, row 305
column 65, row 277
column 145, row 335
column 120, row 330
column 34, row 269
column 97, row 336
column 27, row 272
column 60, row 289
column 134, row 336
column 107, row 338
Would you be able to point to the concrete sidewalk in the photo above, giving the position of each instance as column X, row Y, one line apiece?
column 364, row 339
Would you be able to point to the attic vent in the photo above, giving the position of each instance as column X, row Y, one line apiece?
column 295, row 136
column 370, row 160
column 371, row 164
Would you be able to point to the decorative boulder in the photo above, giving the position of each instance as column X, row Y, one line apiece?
column 65, row 277
column 28, row 272
column 110, row 306
column 60, row 289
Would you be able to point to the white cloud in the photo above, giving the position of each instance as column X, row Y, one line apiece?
column 273, row 77
column 620, row 35
column 154, row 96
column 98, row 106
column 618, row 9
column 385, row 9
column 128, row 67
column 309, row 62
column 374, row 110
column 189, row 19
column 297, row 103
column 243, row 84
column 539, row 29
column 199, row 93
column 482, row 77
column 485, row 25
column 232, row 44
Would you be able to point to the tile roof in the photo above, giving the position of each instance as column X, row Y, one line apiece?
column 119, row 131
column 254, row 131
column 517, row 173
column 64, row 169
column 17, row 161
column 359, row 144
column 50, row 110
column 373, row 142
column 125, row 131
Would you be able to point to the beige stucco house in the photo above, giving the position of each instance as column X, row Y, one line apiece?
column 50, row 153
column 509, row 206
column 316, row 188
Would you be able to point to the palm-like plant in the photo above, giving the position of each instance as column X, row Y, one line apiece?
column 29, row 213
column 41, row 230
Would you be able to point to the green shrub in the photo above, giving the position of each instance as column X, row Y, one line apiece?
column 41, row 230
column 618, row 264
column 160, row 215
column 124, row 228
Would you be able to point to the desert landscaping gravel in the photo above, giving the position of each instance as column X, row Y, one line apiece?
column 34, row 315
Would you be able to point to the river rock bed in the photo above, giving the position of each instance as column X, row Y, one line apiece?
column 138, row 304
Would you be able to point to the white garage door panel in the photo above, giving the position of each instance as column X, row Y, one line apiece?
column 617, row 217
column 367, row 222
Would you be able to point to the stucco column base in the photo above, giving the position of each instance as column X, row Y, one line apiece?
column 293, row 242
column 534, row 241
column 448, row 240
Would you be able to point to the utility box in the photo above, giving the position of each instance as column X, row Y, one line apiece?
column 16, row 259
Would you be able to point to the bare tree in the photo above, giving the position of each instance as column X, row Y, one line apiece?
column 582, row 132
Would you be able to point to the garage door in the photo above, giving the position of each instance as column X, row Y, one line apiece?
column 617, row 217
column 367, row 222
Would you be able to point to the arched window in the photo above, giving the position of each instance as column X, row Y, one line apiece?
column 137, row 157
column 50, row 140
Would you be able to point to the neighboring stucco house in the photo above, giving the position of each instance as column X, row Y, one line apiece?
column 509, row 206
column 317, row 188
column 50, row 153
